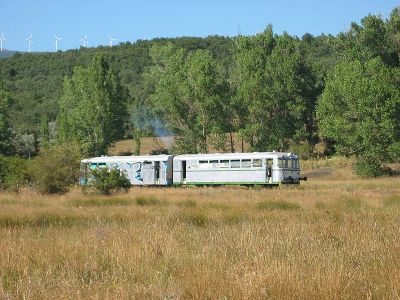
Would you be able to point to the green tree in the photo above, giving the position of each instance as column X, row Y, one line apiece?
column 5, row 133
column 93, row 107
column 13, row 173
column 25, row 144
column 359, row 110
column 44, row 132
column 186, row 95
column 373, row 38
column 275, row 91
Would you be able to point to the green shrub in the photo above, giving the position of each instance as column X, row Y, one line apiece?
column 278, row 205
column 13, row 173
column 56, row 168
column 107, row 181
column 370, row 166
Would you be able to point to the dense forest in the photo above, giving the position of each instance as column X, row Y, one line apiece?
column 317, row 95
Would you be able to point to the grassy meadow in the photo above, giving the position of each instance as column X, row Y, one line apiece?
column 333, row 237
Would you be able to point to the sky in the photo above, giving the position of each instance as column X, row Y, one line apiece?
column 133, row 20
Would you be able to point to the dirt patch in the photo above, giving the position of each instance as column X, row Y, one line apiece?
column 319, row 173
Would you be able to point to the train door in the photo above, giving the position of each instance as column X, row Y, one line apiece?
column 148, row 173
column 157, row 172
column 183, row 171
column 268, row 165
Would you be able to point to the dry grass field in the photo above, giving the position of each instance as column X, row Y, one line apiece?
column 333, row 237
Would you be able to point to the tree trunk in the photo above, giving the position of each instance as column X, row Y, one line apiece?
column 231, row 141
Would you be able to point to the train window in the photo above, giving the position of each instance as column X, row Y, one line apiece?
column 192, row 164
column 246, row 163
column 282, row 163
column 235, row 163
column 224, row 163
column 257, row 163
column 214, row 163
column 289, row 163
column 295, row 163
column 203, row 164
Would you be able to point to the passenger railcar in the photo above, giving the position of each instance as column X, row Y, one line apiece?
column 264, row 168
column 140, row 170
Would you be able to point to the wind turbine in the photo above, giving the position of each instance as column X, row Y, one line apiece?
column 30, row 42
column 84, row 40
column 56, row 41
column 2, row 38
column 110, row 40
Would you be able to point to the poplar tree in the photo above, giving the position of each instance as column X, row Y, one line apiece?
column 274, row 91
column 93, row 107
column 359, row 109
column 186, row 95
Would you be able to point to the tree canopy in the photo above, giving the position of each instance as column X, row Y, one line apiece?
column 359, row 109
column 93, row 107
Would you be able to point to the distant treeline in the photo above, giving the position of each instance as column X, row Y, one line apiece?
column 317, row 95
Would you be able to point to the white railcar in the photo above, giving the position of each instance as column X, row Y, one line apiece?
column 257, row 168
column 264, row 168
column 140, row 170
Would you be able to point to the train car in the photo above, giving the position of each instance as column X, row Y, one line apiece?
column 264, row 168
column 140, row 170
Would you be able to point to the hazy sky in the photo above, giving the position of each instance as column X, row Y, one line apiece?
column 133, row 20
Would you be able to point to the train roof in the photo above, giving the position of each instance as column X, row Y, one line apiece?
column 164, row 157
column 252, row 155
column 132, row 158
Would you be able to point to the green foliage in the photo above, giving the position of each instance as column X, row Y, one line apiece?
column 359, row 110
column 44, row 132
column 13, row 173
column 106, row 181
column 274, row 91
column 36, row 79
column 370, row 166
column 5, row 133
column 24, row 145
column 93, row 107
column 56, row 168
column 185, row 95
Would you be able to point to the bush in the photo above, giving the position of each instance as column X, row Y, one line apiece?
column 13, row 173
column 106, row 181
column 369, row 166
column 56, row 168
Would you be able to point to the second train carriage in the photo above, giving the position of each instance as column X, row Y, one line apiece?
column 264, row 168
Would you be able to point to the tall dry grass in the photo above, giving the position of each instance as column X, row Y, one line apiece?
column 333, row 237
